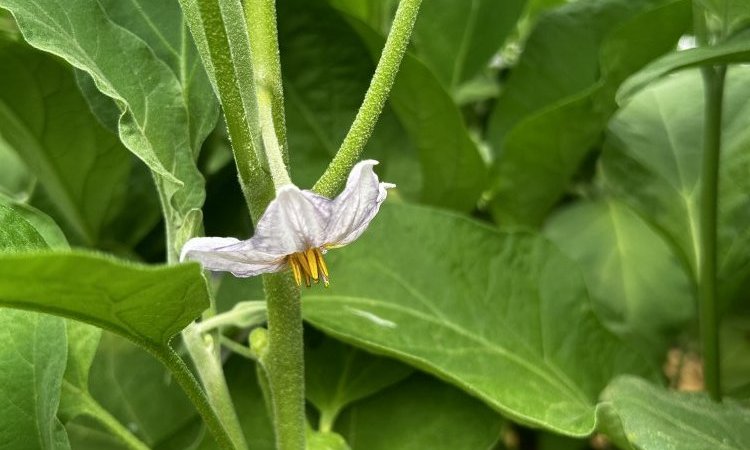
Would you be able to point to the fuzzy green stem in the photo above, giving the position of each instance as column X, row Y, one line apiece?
column 380, row 87
column 284, row 362
column 713, row 80
column 203, row 350
column 264, row 43
column 192, row 388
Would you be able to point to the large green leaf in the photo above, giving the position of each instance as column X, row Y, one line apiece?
column 652, row 160
column 639, row 286
column 32, row 358
column 146, row 304
column 45, row 120
column 653, row 418
column 726, row 16
column 457, row 39
column 337, row 375
column 160, row 119
column 453, row 172
column 504, row 316
column 325, row 79
column 558, row 98
column 734, row 50
column 420, row 413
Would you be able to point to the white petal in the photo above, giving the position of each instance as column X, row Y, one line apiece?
column 231, row 255
column 294, row 221
column 357, row 205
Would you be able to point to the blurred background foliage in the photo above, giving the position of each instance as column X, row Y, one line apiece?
column 541, row 241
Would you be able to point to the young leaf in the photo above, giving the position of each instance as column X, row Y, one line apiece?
column 420, row 413
column 558, row 98
column 652, row 161
column 146, row 304
column 504, row 316
column 653, row 418
column 45, row 120
column 639, row 287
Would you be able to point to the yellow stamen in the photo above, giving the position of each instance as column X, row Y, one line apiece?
column 311, row 260
column 309, row 266
column 295, row 270
column 321, row 262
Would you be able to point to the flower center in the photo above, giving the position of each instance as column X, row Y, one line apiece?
column 308, row 265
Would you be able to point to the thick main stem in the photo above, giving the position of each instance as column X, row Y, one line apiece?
column 713, row 80
column 382, row 81
column 284, row 361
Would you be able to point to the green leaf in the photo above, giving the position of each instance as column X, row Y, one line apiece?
column 639, row 287
column 337, row 375
column 44, row 225
column 652, row 161
column 734, row 50
column 32, row 356
column 420, row 413
column 33, row 360
column 44, row 119
column 16, row 182
column 453, row 172
column 456, row 39
column 138, row 391
column 654, row 418
column 16, row 233
column 504, row 316
column 325, row 79
column 734, row 337
column 146, row 304
column 559, row 97
column 157, row 122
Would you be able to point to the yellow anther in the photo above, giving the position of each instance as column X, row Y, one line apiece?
column 321, row 262
column 302, row 261
column 311, row 261
column 295, row 270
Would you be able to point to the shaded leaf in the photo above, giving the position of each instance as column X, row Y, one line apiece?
column 457, row 39
column 654, row 418
column 420, row 413
column 560, row 95
column 504, row 316
column 639, row 286
column 337, row 375
column 33, row 360
column 156, row 117
column 652, row 160
column 45, row 120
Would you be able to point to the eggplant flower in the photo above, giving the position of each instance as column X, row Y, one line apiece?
column 296, row 230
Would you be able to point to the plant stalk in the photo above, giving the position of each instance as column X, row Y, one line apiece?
column 284, row 361
column 334, row 177
column 713, row 82
column 203, row 350
column 94, row 410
